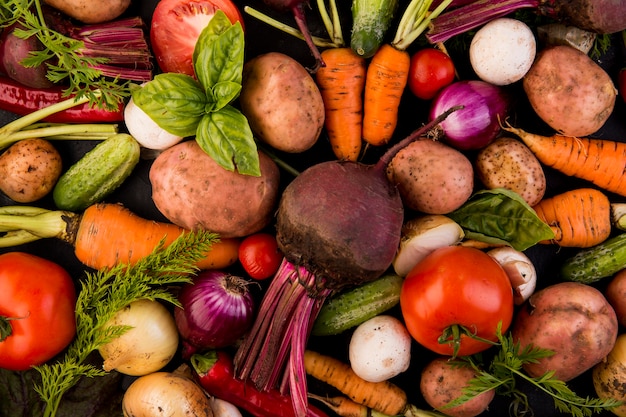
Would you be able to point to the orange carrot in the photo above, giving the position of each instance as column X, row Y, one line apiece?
column 384, row 397
column 601, row 162
column 341, row 84
column 388, row 72
column 109, row 234
column 387, row 76
column 345, row 407
column 579, row 218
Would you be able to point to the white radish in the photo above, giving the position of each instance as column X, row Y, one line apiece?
column 380, row 349
column 502, row 51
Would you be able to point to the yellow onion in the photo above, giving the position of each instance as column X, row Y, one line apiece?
column 609, row 376
column 148, row 346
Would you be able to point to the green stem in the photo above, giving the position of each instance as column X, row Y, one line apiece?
column 62, row 132
column 415, row 20
column 331, row 22
column 453, row 335
column 320, row 42
column 27, row 225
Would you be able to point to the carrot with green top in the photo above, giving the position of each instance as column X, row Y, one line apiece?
column 388, row 73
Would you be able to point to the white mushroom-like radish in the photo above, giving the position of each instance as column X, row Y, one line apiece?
column 519, row 268
column 502, row 51
column 380, row 348
column 420, row 236
column 145, row 130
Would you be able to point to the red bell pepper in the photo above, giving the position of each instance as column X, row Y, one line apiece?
column 22, row 100
column 214, row 372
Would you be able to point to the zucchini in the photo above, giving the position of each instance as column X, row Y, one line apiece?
column 97, row 174
column 370, row 21
column 601, row 261
column 353, row 307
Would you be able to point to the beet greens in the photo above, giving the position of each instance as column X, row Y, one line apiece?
column 339, row 225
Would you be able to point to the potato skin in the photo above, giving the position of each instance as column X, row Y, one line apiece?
column 442, row 383
column 29, row 170
column 569, row 91
column 432, row 177
column 89, row 11
column 615, row 293
column 508, row 163
column 282, row 102
column 572, row 319
column 191, row 190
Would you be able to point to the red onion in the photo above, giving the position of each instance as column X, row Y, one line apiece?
column 476, row 124
column 217, row 309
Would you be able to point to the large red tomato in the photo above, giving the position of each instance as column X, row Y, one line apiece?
column 176, row 26
column 429, row 72
column 455, row 297
column 37, row 302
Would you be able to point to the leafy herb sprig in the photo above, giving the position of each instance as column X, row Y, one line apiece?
column 103, row 294
column 507, row 367
column 63, row 56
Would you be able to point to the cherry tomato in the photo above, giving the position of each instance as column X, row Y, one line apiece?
column 37, row 302
column 259, row 255
column 456, row 288
column 176, row 26
column 430, row 71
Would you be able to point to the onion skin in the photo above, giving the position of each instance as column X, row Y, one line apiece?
column 148, row 346
column 476, row 125
column 217, row 309
column 165, row 394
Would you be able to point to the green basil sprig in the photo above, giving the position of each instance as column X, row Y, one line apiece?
column 185, row 106
column 501, row 216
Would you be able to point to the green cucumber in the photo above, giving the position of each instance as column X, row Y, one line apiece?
column 355, row 306
column 370, row 21
column 601, row 261
column 97, row 174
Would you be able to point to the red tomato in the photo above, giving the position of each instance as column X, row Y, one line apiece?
column 37, row 302
column 176, row 26
column 259, row 255
column 456, row 287
column 430, row 71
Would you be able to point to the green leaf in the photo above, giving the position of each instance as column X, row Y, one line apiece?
column 227, row 138
column 501, row 215
column 219, row 53
column 176, row 102
column 222, row 94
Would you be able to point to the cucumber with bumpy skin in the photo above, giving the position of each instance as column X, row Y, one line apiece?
column 595, row 263
column 370, row 21
column 355, row 306
column 98, row 173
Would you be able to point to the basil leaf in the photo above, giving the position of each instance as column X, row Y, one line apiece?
column 227, row 138
column 501, row 215
column 176, row 102
column 219, row 53
column 222, row 94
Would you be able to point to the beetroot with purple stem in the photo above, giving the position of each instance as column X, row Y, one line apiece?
column 339, row 225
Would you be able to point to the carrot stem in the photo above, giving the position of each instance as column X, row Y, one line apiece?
column 415, row 20
column 26, row 224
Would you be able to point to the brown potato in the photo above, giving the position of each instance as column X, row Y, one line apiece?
column 29, row 169
column 569, row 91
column 432, row 177
column 442, row 383
column 508, row 163
column 194, row 192
column 90, row 11
column 573, row 320
column 282, row 102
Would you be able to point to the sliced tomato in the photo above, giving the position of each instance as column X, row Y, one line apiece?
column 176, row 26
column 259, row 255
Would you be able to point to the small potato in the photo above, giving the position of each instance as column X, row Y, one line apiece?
column 432, row 177
column 194, row 192
column 29, row 169
column 282, row 102
column 442, row 383
column 380, row 348
column 508, row 163
column 569, row 91
column 90, row 11
column 573, row 320
column 502, row 51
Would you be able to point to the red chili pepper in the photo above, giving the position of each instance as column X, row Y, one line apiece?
column 22, row 100
column 214, row 372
